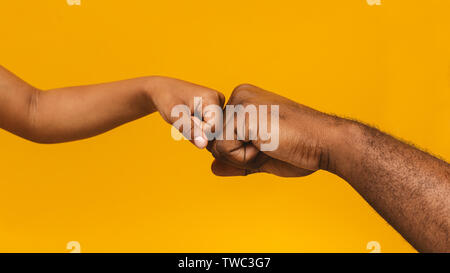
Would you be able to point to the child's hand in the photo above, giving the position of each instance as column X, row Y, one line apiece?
column 165, row 93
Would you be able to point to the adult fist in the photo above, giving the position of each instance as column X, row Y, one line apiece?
column 303, row 135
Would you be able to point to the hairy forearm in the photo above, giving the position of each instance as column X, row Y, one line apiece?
column 407, row 187
column 70, row 113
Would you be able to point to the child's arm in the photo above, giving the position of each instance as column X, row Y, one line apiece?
column 73, row 113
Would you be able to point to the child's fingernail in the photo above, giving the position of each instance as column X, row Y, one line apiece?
column 200, row 142
column 197, row 121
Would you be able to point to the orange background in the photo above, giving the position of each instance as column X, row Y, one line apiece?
column 135, row 189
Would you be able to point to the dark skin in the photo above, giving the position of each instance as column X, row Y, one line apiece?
column 407, row 187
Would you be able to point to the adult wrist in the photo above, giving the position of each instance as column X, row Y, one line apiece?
column 341, row 140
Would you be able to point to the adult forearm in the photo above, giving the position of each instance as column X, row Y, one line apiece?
column 407, row 187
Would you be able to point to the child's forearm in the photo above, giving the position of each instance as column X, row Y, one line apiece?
column 71, row 113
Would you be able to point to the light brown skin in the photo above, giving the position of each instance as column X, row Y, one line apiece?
column 407, row 187
column 73, row 113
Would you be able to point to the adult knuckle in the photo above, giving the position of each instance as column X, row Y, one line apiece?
column 242, row 92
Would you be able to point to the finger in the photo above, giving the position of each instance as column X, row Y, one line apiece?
column 237, row 151
column 221, row 99
column 221, row 168
column 232, row 149
column 283, row 169
column 201, row 102
column 196, row 134
column 212, row 121
column 209, row 109
column 272, row 166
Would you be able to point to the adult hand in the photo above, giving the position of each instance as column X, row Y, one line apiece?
column 407, row 187
column 304, row 139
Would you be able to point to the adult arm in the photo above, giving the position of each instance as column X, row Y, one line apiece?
column 407, row 187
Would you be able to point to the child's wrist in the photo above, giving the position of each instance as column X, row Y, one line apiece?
column 152, row 85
